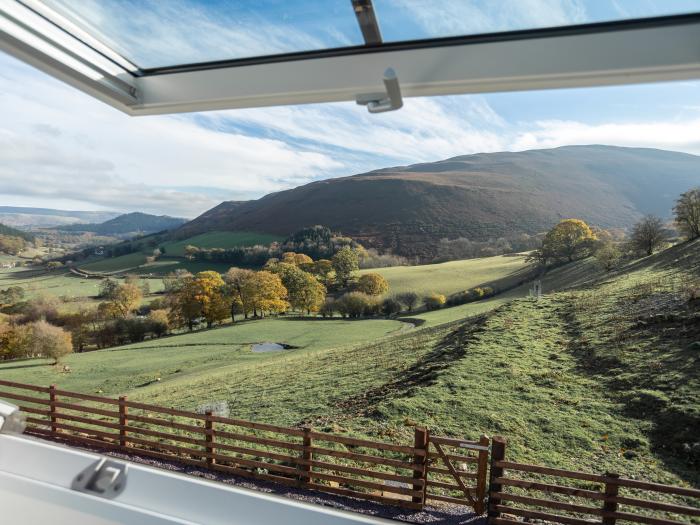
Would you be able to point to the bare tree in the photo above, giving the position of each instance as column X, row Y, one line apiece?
column 687, row 210
column 648, row 234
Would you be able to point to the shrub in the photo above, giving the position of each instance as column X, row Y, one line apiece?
column 354, row 304
column 408, row 299
column 329, row 307
column 390, row 306
column 158, row 322
column 434, row 301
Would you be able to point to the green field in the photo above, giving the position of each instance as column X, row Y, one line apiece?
column 173, row 258
column 220, row 240
column 196, row 356
column 454, row 276
column 60, row 283
column 116, row 264
column 595, row 376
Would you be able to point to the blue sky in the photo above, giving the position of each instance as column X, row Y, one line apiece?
column 60, row 148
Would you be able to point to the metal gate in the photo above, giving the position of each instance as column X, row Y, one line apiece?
column 456, row 471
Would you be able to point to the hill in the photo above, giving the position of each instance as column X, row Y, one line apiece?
column 487, row 195
column 8, row 231
column 129, row 223
column 24, row 217
column 600, row 376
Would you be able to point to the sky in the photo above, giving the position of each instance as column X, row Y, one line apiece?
column 62, row 149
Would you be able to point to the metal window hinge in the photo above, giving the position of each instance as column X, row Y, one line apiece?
column 105, row 478
column 380, row 102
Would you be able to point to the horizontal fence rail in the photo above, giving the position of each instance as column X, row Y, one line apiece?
column 302, row 457
column 522, row 492
column 433, row 469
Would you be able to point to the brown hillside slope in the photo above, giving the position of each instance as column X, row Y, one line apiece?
column 409, row 208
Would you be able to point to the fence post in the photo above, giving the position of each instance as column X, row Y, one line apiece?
column 123, row 421
column 52, row 409
column 307, row 456
column 498, row 453
column 420, row 442
column 611, row 490
column 482, row 466
column 209, row 436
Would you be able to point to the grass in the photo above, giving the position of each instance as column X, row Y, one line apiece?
column 600, row 375
column 73, row 290
column 173, row 258
column 454, row 276
column 116, row 264
column 195, row 356
column 220, row 240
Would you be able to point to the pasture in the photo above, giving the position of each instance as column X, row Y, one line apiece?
column 454, row 276
column 220, row 240
column 582, row 378
column 195, row 356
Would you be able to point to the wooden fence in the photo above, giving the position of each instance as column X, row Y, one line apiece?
column 542, row 493
column 431, row 469
column 302, row 457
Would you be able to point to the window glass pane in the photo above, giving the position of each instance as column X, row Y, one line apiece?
column 156, row 33
column 416, row 19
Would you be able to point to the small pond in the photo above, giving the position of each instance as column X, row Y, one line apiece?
column 259, row 348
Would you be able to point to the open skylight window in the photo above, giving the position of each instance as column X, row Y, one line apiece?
column 148, row 57
column 155, row 33
column 417, row 19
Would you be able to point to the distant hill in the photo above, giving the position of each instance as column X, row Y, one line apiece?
column 8, row 231
column 24, row 217
column 487, row 195
column 129, row 223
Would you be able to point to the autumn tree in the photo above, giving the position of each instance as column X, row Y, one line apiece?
column 687, row 210
column 297, row 259
column 373, row 284
column 125, row 299
column 648, row 235
column 345, row 263
column 200, row 296
column 305, row 293
column 50, row 341
column 569, row 240
column 269, row 294
column 240, row 290
column 14, row 341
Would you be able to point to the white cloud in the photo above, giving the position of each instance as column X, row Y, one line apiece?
column 679, row 136
column 54, row 138
column 457, row 17
column 57, row 143
column 161, row 33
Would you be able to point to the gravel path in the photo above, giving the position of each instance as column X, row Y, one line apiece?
column 435, row 515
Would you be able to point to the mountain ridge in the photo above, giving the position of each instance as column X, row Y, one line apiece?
column 486, row 195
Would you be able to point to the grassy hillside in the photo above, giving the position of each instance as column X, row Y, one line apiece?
column 173, row 258
column 454, row 276
column 601, row 376
column 197, row 356
column 218, row 239
column 410, row 208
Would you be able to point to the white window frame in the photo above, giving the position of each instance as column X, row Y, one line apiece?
column 609, row 53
